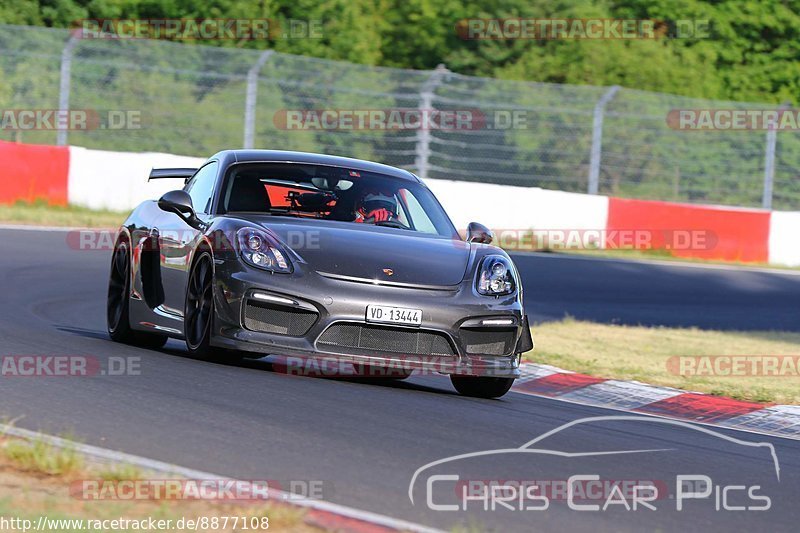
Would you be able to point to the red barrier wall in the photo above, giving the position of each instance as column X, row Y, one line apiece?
column 690, row 230
column 30, row 172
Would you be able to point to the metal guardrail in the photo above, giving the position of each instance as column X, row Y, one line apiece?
column 195, row 100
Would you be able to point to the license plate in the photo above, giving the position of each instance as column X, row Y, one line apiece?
column 386, row 314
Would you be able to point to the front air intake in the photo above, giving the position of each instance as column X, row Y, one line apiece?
column 278, row 319
column 477, row 341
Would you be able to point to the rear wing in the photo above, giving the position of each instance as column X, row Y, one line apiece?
column 162, row 173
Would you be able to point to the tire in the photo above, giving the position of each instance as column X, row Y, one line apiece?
column 481, row 387
column 118, row 304
column 199, row 313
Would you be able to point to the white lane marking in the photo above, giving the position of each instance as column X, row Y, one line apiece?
column 677, row 263
column 43, row 229
column 166, row 468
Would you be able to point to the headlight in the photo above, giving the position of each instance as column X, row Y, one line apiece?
column 261, row 250
column 496, row 276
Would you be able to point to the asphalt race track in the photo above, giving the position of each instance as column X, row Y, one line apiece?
column 364, row 441
column 659, row 293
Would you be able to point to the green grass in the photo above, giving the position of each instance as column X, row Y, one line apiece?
column 40, row 457
column 120, row 472
column 41, row 213
column 36, row 480
column 643, row 354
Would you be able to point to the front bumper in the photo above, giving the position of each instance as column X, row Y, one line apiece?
column 452, row 313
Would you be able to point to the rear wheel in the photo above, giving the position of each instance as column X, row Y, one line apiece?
column 118, row 302
column 481, row 386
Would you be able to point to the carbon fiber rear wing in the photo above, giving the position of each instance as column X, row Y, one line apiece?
column 163, row 173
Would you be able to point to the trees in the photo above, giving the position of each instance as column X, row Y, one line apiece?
column 751, row 54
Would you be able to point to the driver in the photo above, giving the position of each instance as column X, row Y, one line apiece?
column 376, row 206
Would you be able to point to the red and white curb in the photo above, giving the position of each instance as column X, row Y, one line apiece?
column 629, row 396
column 322, row 514
column 551, row 382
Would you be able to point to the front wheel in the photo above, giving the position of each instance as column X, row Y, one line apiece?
column 199, row 312
column 198, row 318
column 481, row 387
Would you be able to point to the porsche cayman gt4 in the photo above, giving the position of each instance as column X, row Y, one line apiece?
column 317, row 257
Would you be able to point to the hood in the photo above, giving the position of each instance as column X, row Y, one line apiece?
column 363, row 251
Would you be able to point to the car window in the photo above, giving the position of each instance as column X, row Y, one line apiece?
column 201, row 187
column 333, row 193
column 417, row 216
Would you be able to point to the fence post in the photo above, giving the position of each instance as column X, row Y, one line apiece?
column 250, row 99
column 769, row 160
column 769, row 167
column 64, row 84
column 597, row 139
column 423, row 145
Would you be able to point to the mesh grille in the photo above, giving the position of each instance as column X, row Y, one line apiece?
column 488, row 342
column 277, row 319
column 371, row 338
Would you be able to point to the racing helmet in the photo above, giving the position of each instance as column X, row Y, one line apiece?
column 374, row 199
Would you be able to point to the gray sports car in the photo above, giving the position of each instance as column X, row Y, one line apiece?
column 314, row 256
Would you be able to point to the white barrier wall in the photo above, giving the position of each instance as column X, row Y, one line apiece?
column 503, row 207
column 784, row 238
column 118, row 180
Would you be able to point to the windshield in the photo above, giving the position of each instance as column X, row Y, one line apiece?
column 334, row 193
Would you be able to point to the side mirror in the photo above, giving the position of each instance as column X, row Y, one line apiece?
column 479, row 233
column 177, row 202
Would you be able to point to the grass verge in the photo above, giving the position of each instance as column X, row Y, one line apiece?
column 648, row 355
column 44, row 214
column 42, row 458
column 36, row 481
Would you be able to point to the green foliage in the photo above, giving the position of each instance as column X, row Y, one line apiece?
column 751, row 54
